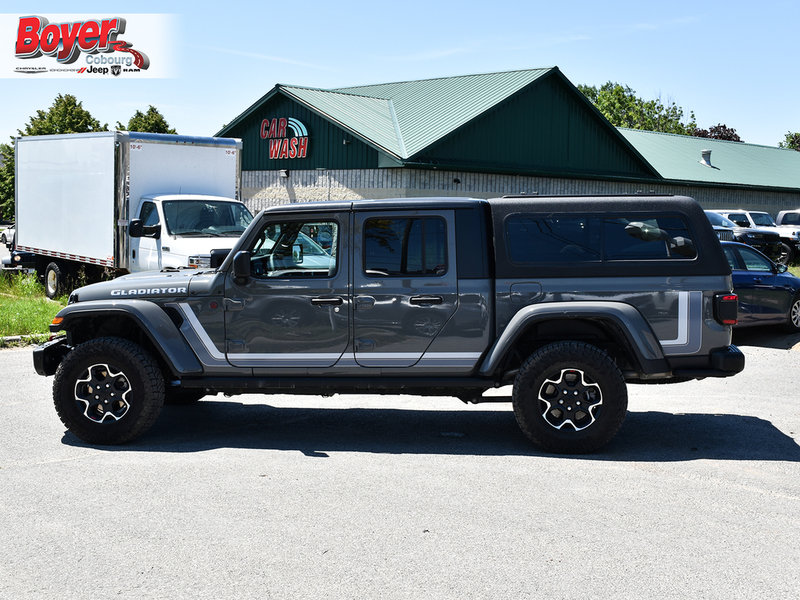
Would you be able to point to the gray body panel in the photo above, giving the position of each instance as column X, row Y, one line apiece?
column 353, row 323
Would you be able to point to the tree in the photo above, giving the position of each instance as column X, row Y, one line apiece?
column 620, row 105
column 6, row 181
column 792, row 140
column 152, row 121
column 65, row 115
column 718, row 132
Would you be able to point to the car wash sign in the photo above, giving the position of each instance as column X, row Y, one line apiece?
column 287, row 137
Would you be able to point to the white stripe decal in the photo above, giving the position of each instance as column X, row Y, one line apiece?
column 200, row 331
column 323, row 359
column 690, row 325
column 683, row 322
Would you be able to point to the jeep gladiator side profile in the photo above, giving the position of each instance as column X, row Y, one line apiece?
column 565, row 298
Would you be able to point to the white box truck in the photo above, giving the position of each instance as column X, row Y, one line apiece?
column 109, row 203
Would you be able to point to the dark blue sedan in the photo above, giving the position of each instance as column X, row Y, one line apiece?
column 768, row 294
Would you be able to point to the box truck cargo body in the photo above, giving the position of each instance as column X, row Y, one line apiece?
column 118, row 202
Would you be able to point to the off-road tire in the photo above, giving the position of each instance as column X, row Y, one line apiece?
column 786, row 255
column 570, row 398
column 116, row 376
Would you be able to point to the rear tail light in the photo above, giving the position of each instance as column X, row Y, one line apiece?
column 726, row 308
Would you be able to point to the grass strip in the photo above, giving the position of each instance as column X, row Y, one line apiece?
column 24, row 309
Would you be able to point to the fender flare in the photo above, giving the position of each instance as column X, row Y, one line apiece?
column 150, row 319
column 623, row 317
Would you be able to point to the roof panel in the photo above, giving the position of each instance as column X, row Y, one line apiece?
column 429, row 109
column 370, row 118
column 678, row 157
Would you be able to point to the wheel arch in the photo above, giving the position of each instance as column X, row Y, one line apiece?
column 615, row 327
column 140, row 321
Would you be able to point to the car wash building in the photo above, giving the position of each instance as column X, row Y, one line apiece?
column 486, row 135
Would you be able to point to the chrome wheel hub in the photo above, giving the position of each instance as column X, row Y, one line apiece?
column 102, row 394
column 570, row 400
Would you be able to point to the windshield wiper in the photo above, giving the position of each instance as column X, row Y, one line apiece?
column 198, row 234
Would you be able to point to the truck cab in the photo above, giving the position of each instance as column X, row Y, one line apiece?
column 175, row 231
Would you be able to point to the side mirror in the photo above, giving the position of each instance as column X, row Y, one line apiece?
column 297, row 254
column 241, row 266
column 644, row 232
column 135, row 228
column 781, row 268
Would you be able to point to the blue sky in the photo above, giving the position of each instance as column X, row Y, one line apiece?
column 729, row 62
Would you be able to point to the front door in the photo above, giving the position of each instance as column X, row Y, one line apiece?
column 404, row 283
column 293, row 310
column 146, row 251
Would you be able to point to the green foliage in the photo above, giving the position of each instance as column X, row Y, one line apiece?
column 23, row 308
column 66, row 115
column 7, row 181
column 792, row 140
column 152, row 122
column 718, row 132
column 620, row 105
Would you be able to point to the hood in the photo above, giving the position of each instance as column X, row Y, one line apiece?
column 147, row 284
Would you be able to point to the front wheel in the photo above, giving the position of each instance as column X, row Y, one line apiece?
column 570, row 398
column 793, row 324
column 108, row 391
column 785, row 254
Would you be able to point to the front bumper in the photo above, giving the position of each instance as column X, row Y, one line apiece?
column 49, row 355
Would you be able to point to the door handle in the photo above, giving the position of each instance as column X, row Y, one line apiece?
column 233, row 304
column 364, row 302
column 334, row 301
column 425, row 300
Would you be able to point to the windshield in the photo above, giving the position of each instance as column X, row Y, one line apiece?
column 206, row 218
column 720, row 221
column 762, row 219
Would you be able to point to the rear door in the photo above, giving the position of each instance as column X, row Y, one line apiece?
column 761, row 299
column 405, row 284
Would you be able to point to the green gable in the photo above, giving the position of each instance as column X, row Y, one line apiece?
column 528, row 122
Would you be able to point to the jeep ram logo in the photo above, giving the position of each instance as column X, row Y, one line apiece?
column 150, row 291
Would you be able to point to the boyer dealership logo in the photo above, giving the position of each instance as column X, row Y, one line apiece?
column 282, row 143
column 93, row 44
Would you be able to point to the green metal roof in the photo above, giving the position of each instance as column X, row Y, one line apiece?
column 425, row 111
column 404, row 118
column 678, row 157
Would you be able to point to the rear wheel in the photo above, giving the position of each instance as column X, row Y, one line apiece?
column 570, row 397
column 54, row 283
column 108, row 391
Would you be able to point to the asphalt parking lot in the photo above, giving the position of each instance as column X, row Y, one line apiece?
column 406, row 497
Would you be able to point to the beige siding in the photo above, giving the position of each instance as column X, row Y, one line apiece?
column 267, row 188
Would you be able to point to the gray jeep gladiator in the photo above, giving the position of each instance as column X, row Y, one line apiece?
column 565, row 298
